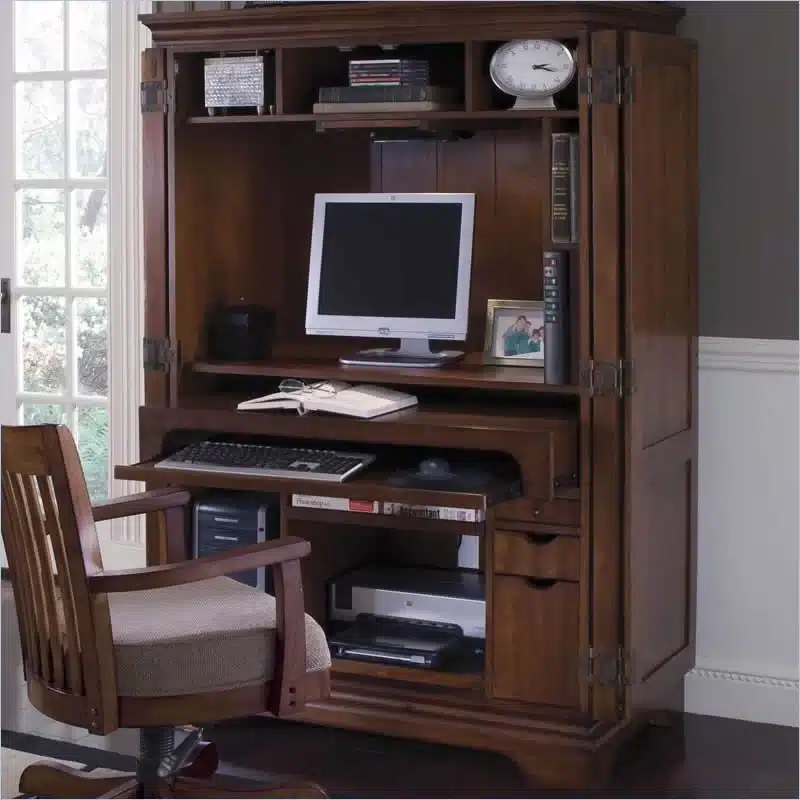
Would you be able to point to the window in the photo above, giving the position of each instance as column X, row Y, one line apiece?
column 61, row 138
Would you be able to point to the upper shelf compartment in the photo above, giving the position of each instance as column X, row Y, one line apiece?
column 412, row 85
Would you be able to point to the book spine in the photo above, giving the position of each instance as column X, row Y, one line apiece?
column 556, row 317
column 335, row 504
column 434, row 512
column 384, row 94
column 563, row 197
column 377, row 108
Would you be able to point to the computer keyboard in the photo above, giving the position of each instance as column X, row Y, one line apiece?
column 269, row 461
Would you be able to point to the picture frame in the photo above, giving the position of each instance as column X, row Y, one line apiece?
column 515, row 333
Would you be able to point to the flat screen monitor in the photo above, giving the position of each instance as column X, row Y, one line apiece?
column 393, row 266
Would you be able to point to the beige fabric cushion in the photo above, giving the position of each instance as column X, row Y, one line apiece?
column 205, row 636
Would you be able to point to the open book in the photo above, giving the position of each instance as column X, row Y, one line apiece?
column 335, row 397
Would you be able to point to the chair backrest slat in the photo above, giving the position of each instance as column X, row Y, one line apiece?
column 52, row 546
column 70, row 620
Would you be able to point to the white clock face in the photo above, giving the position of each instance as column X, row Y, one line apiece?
column 532, row 67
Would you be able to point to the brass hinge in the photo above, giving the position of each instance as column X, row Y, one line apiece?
column 608, row 85
column 625, row 85
column 155, row 96
column 158, row 355
column 607, row 669
column 585, row 85
column 600, row 378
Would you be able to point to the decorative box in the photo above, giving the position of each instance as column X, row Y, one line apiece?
column 240, row 82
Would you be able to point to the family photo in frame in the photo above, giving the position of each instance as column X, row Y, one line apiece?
column 515, row 333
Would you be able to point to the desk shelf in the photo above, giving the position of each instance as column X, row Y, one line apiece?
column 431, row 677
column 460, row 376
column 372, row 484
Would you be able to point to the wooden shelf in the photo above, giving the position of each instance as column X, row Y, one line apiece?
column 452, row 680
column 392, row 522
column 462, row 376
column 385, row 119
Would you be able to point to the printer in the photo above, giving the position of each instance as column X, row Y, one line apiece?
column 436, row 596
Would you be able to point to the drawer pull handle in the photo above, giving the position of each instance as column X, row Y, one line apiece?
column 541, row 583
column 541, row 538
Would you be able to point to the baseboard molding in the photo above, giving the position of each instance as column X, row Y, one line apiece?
column 740, row 695
column 749, row 355
column 748, row 477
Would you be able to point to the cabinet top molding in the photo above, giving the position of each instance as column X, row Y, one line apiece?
column 352, row 23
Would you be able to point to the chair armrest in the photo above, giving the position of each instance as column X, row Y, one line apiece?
column 239, row 559
column 141, row 503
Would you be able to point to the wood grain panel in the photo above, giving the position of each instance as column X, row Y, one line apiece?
column 469, row 166
column 534, row 641
column 661, row 320
column 536, row 555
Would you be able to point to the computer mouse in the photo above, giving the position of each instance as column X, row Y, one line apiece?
column 434, row 468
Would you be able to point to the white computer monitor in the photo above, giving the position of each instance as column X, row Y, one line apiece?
column 393, row 266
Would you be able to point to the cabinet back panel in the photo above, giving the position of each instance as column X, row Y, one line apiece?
column 248, row 238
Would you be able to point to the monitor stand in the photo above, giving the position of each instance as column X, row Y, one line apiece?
column 412, row 353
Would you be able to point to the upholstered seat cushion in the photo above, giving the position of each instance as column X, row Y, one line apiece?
column 205, row 636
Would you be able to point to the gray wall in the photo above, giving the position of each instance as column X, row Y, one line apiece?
column 748, row 167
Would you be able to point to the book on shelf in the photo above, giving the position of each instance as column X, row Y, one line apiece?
column 335, row 397
column 394, row 93
column 445, row 513
column 565, row 188
column 380, row 108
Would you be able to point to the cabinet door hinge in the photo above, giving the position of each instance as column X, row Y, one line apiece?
column 155, row 96
column 614, row 85
column 607, row 668
column 158, row 355
column 600, row 378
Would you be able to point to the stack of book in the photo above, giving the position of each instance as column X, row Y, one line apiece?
column 385, row 84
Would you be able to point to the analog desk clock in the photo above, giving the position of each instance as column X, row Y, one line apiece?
column 532, row 70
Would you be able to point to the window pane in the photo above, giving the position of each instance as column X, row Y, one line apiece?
column 38, row 35
column 89, row 237
column 44, row 344
column 88, row 34
column 91, row 317
column 93, row 449
column 40, row 233
column 88, row 123
column 43, row 414
column 40, row 129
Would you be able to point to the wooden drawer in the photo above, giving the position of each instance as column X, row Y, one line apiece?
column 534, row 641
column 558, row 511
column 538, row 555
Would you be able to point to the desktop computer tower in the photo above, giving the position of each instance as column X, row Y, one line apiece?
column 225, row 520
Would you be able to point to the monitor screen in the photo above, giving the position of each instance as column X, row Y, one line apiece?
column 396, row 262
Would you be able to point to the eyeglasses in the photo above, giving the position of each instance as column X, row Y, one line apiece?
column 296, row 385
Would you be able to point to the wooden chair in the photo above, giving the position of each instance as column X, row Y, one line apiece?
column 154, row 648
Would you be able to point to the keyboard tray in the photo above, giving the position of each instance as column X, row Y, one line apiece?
column 372, row 485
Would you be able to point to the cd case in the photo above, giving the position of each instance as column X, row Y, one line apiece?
column 391, row 641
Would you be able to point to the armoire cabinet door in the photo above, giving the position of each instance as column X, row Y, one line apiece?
column 155, row 219
column 660, row 170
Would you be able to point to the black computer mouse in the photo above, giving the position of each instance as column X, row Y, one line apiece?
column 435, row 468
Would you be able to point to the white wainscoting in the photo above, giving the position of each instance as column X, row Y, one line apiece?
column 748, row 532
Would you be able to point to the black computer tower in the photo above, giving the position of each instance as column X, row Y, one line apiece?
column 226, row 520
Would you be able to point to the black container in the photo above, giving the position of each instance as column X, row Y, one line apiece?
column 240, row 333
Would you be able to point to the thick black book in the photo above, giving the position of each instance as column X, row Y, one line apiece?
column 564, row 192
column 555, row 264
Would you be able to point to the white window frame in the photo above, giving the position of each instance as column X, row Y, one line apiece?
column 127, row 39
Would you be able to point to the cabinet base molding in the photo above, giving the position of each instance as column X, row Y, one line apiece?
column 551, row 754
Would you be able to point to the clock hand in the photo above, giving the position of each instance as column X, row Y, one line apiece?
column 546, row 67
